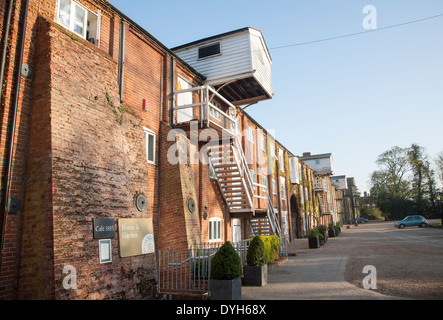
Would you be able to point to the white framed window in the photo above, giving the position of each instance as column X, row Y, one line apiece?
column 284, row 222
column 274, row 186
column 272, row 150
column 252, row 174
column 215, row 229
column 251, row 134
column 237, row 125
column 264, row 181
column 150, row 145
column 76, row 18
column 262, row 142
column 280, row 160
column 213, row 112
column 282, row 188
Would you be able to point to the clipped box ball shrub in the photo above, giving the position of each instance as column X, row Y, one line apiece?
column 226, row 264
column 256, row 255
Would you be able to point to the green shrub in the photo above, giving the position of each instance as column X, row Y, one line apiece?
column 313, row 233
column 256, row 255
column 272, row 247
column 226, row 264
column 322, row 229
column 321, row 236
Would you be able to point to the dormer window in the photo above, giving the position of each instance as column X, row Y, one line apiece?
column 76, row 18
column 209, row 50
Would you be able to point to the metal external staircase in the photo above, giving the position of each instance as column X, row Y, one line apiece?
column 237, row 187
column 233, row 177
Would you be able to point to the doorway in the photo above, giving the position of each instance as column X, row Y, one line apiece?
column 236, row 230
column 296, row 218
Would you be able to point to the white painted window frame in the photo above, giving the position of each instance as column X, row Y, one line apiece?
column 148, row 132
column 215, row 229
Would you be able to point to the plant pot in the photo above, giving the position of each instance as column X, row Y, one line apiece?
column 255, row 275
column 225, row 289
column 331, row 233
column 314, row 243
column 325, row 236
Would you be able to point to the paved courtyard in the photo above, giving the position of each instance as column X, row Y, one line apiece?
column 408, row 262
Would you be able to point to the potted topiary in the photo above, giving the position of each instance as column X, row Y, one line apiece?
column 331, row 230
column 322, row 229
column 337, row 229
column 226, row 271
column 321, row 239
column 313, row 240
column 256, row 271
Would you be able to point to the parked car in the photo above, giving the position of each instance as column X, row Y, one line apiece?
column 358, row 220
column 410, row 221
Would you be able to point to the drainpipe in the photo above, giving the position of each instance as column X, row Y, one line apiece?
column 121, row 59
column 5, row 47
column 171, row 97
column 14, row 119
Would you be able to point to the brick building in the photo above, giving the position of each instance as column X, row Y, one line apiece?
column 96, row 115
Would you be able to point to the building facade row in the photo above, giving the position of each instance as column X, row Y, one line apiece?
column 114, row 146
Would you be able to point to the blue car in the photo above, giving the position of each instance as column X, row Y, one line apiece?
column 410, row 221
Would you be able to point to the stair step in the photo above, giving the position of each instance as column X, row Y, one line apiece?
column 224, row 165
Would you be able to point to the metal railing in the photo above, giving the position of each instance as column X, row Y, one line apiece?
column 203, row 109
column 189, row 270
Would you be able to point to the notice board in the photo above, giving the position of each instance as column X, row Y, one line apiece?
column 135, row 236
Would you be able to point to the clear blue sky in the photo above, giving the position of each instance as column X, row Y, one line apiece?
column 355, row 97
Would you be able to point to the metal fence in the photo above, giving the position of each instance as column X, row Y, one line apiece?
column 188, row 270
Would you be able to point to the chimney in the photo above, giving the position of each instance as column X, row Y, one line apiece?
column 306, row 154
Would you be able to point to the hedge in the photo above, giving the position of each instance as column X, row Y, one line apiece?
column 272, row 247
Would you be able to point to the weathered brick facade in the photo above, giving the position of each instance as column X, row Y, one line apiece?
column 80, row 154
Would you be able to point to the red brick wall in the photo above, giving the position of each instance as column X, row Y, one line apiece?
column 93, row 165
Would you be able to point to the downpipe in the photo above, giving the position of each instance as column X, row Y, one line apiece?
column 13, row 129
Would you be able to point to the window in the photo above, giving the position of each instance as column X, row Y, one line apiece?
column 272, row 148
column 209, row 50
column 213, row 112
column 282, row 188
column 252, row 174
column 294, row 170
column 262, row 143
column 79, row 20
column 251, row 134
column 274, row 186
column 280, row 160
column 150, row 145
column 215, row 229
column 264, row 181
column 284, row 222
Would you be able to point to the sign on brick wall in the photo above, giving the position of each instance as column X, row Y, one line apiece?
column 104, row 228
column 135, row 236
